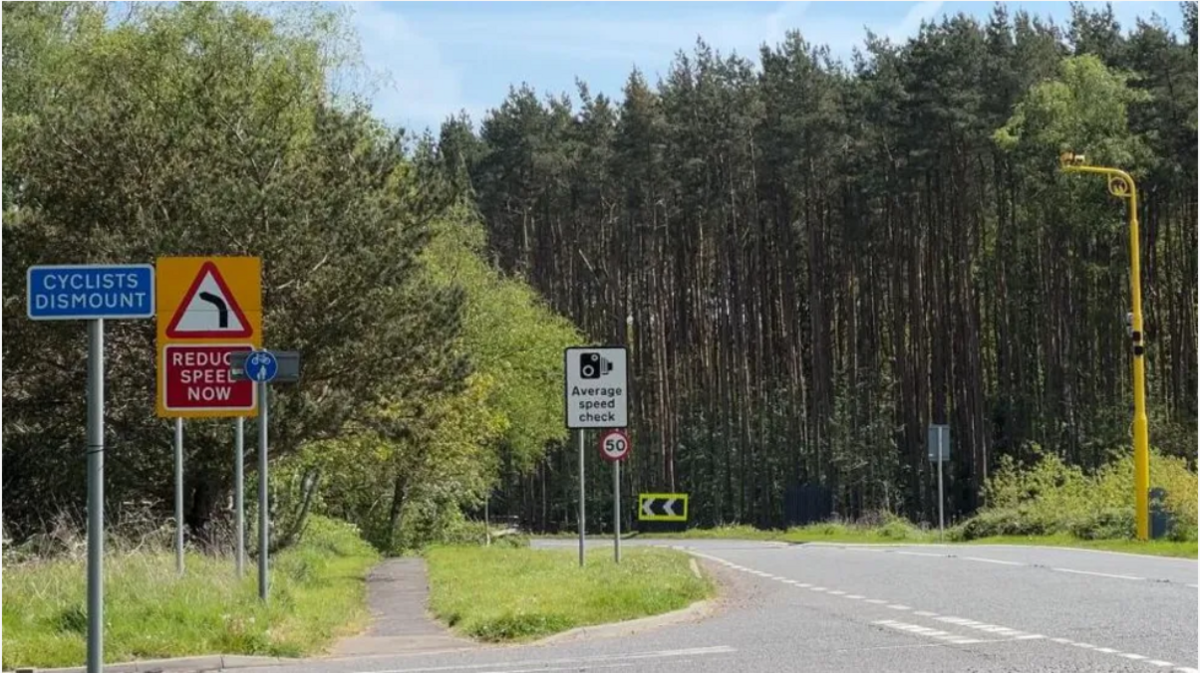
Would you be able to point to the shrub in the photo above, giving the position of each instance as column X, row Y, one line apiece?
column 1049, row 497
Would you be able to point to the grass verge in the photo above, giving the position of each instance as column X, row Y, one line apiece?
column 518, row 594
column 894, row 533
column 317, row 593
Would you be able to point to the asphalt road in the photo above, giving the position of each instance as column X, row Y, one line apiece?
column 821, row 608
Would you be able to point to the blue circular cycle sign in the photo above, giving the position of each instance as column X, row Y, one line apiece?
column 261, row 366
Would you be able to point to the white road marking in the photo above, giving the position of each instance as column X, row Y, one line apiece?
column 1096, row 574
column 1008, row 634
column 957, row 639
column 991, row 560
column 572, row 667
column 573, row 663
column 921, row 553
column 803, row 585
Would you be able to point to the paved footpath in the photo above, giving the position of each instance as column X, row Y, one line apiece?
column 397, row 594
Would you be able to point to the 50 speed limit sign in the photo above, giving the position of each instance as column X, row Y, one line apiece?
column 614, row 445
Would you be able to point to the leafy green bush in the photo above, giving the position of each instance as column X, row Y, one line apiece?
column 1049, row 497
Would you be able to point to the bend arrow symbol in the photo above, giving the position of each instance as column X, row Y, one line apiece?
column 667, row 507
column 646, row 507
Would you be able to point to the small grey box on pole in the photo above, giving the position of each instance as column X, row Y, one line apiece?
column 239, row 493
column 939, row 451
column 179, row 496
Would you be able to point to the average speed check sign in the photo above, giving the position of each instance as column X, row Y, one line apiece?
column 614, row 445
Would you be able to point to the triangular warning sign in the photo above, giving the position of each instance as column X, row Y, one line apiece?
column 208, row 310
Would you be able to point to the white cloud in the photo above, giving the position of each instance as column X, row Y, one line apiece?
column 418, row 87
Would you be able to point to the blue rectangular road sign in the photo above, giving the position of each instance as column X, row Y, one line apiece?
column 90, row 291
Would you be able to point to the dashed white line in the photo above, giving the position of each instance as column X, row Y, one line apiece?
column 991, row 560
column 1003, row 631
column 1096, row 574
column 921, row 553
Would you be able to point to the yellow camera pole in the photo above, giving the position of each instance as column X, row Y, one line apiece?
column 1121, row 185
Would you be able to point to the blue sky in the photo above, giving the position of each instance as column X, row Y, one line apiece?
column 440, row 57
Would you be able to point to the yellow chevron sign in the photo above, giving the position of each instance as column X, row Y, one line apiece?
column 662, row 506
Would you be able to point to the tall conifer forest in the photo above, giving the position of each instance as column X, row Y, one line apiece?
column 812, row 260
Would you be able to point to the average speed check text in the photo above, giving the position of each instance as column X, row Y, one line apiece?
column 599, row 410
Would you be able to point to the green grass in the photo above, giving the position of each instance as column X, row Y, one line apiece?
column 899, row 532
column 1153, row 547
column 317, row 593
column 517, row 594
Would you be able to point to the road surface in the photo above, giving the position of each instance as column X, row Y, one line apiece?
column 822, row 608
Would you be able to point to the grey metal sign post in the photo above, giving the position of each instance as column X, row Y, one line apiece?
column 939, row 451
column 263, row 514
column 263, row 367
column 239, row 493
column 582, row 498
column 179, row 496
column 93, row 293
column 614, row 447
column 595, row 395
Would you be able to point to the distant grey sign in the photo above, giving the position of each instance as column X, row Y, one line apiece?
column 939, row 443
column 288, row 366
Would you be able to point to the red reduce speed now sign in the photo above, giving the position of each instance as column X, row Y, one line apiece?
column 614, row 445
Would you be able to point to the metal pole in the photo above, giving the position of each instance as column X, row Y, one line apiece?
column 1141, row 434
column 95, row 496
column 617, row 510
column 582, row 516
column 263, row 532
column 179, row 495
column 487, row 527
column 239, row 493
column 941, row 496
